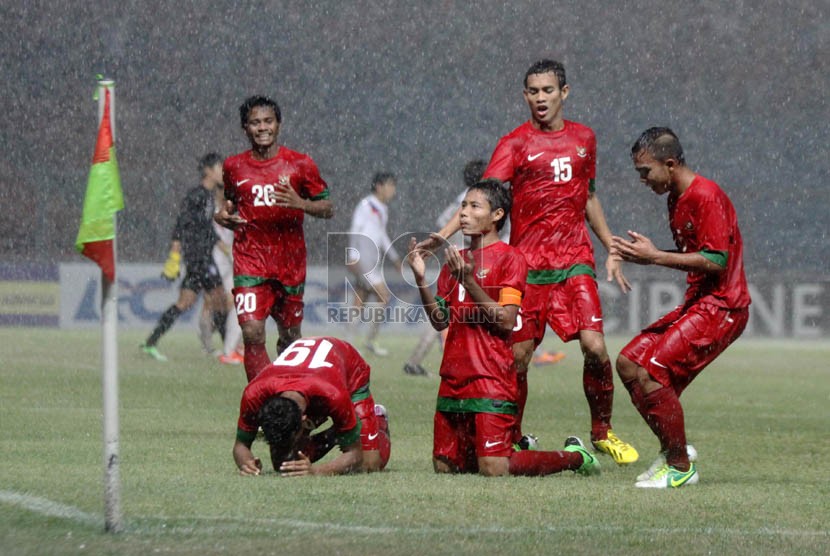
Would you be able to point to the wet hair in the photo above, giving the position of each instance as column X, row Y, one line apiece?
column 498, row 196
column 473, row 171
column 661, row 143
column 255, row 101
column 280, row 419
column 208, row 161
column 380, row 178
column 547, row 66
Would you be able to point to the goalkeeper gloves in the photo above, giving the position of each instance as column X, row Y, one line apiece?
column 172, row 266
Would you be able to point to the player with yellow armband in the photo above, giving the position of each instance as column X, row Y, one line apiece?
column 172, row 266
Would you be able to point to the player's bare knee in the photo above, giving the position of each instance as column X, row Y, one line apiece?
column 626, row 369
column 440, row 465
column 372, row 461
column 253, row 332
column 493, row 466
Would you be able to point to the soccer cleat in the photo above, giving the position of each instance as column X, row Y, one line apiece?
column 622, row 452
column 233, row 359
column 153, row 352
column 414, row 369
column 376, row 349
column 670, row 477
column 383, row 418
column 590, row 464
column 548, row 358
column 526, row 442
column 661, row 461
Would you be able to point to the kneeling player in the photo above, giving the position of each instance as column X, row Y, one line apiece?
column 312, row 380
column 479, row 294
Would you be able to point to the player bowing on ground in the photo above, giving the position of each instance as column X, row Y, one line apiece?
column 271, row 188
column 550, row 163
column 313, row 379
column 657, row 365
column 479, row 294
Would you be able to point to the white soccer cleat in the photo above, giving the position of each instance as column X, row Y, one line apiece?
column 670, row 477
column 661, row 461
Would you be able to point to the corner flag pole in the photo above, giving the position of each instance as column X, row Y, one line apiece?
column 109, row 326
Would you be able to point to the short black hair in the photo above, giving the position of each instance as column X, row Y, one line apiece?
column 473, row 171
column 547, row 66
column 258, row 100
column 280, row 419
column 208, row 161
column 661, row 143
column 498, row 196
column 381, row 178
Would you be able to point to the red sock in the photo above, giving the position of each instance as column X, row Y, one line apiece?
column 598, row 384
column 639, row 401
column 665, row 416
column 256, row 358
column 521, row 382
column 533, row 462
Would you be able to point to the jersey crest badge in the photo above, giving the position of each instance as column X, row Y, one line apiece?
column 284, row 179
column 481, row 273
column 581, row 152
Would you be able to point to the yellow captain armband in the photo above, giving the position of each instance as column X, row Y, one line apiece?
column 510, row 296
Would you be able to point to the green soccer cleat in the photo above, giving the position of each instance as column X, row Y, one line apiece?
column 661, row 461
column 590, row 464
column 622, row 452
column 670, row 477
column 153, row 352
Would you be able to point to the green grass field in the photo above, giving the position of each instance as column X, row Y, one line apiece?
column 758, row 417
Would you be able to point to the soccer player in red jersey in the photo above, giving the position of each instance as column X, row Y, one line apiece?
column 313, row 379
column 658, row 364
column 269, row 189
column 550, row 163
column 479, row 294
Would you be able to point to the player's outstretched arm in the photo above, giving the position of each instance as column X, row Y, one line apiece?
column 415, row 259
column 285, row 196
column 641, row 250
column 436, row 240
column 596, row 219
column 349, row 461
column 245, row 460
column 226, row 216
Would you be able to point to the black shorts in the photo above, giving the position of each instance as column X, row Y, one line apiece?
column 201, row 276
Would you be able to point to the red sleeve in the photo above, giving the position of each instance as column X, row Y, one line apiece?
column 501, row 162
column 227, row 179
column 342, row 412
column 592, row 156
column 515, row 271
column 247, row 414
column 711, row 222
column 313, row 186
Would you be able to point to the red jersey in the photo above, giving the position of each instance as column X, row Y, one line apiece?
column 478, row 363
column 550, row 173
column 271, row 244
column 328, row 372
column 703, row 219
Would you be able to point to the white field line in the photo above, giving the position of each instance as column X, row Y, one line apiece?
column 214, row 524
column 48, row 508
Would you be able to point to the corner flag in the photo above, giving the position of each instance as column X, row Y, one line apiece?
column 103, row 199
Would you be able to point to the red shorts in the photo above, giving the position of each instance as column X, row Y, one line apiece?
column 675, row 348
column 269, row 298
column 568, row 307
column 462, row 438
